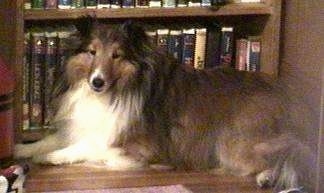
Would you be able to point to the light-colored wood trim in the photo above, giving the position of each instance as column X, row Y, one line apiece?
column 227, row 10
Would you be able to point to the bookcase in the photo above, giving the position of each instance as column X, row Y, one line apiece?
column 262, row 19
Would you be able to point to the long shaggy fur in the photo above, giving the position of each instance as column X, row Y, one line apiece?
column 128, row 104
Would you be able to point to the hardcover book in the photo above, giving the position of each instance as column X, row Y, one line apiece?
column 218, row 2
column 128, row 3
column 213, row 47
column 206, row 3
column 142, row 3
column 115, row 3
column 103, row 4
column 163, row 39
column 175, row 44
column 27, row 4
column 241, row 52
column 194, row 3
column 50, row 69
column 168, row 3
column 200, row 48
column 182, row 3
column 77, row 4
column 227, row 41
column 254, row 54
column 50, row 4
column 26, row 79
column 91, row 4
column 155, row 3
column 37, row 4
column 64, row 4
column 36, row 80
column 188, row 47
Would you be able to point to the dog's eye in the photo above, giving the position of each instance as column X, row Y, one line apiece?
column 115, row 55
column 92, row 52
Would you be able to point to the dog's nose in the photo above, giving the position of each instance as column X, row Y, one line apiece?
column 98, row 83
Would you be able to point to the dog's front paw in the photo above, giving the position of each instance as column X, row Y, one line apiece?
column 23, row 151
column 124, row 163
column 54, row 158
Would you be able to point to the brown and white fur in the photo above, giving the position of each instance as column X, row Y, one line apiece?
column 128, row 104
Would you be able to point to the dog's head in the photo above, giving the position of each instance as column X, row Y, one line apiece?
column 114, row 56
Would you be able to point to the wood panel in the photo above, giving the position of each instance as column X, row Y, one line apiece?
column 80, row 177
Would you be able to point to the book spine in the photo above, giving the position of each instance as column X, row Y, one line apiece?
column 50, row 4
column 247, row 65
column 128, row 3
column 227, row 42
column 50, row 69
column 91, row 4
column 255, row 50
column 213, row 47
column 200, row 48
column 175, row 44
column 194, row 3
column 64, row 4
column 77, row 4
column 142, row 3
column 206, row 3
column 36, row 80
column 162, row 39
column 115, row 4
column 155, row 3
column 26, row 79
column 241, row 51
column 168, row 3
column 188, row 47
column 103, row 4
column 37, row 4
column 182, row 3
column 27, row 4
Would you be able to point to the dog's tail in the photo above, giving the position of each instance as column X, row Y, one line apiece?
column 294, row 163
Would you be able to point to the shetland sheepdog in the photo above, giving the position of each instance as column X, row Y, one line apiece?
column 129, row 105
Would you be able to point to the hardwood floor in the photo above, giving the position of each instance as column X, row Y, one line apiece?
column 76, row 177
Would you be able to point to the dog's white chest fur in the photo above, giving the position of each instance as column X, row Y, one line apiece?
column 92, row 118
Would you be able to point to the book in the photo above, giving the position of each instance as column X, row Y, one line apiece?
column 250, row 1
column 50, row 4
column 128, row 3
column 77, row 4
column 188, row 47
column 206, row 3
column 64, row 4
column 115, row 4
column 241, row 54
column 26, row 79
column 37, row 4
column 254, row 53
column 218, row 2
column 155, row 3
column 213, row 47
column 227, row 43
column 103, row 4
column 36, row 79
column 63, row 50
column 175, row 44
column 27, row 4
column 142, row 3
column 168, row 3
column 91, row 4
column 194, row 3
column 182, row 3
column 50, row 69
column 162, row 39
column 152, row 37
column 200, row 48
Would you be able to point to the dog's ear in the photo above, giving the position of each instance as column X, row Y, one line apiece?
column 134, row 32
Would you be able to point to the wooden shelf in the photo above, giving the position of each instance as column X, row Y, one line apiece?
column 227, row 10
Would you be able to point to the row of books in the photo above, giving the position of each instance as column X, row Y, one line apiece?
column 46, row 52
column 94, row 4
